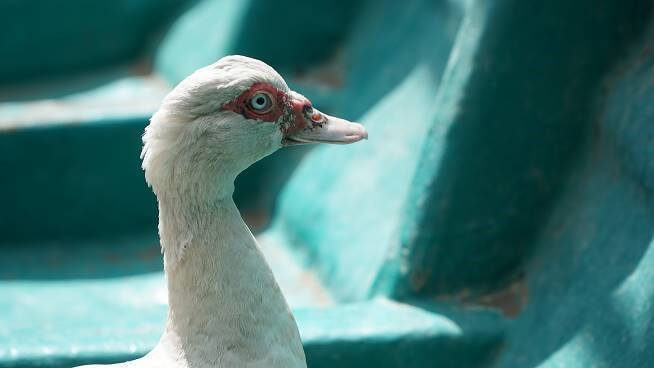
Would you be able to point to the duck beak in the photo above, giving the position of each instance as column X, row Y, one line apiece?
column 309, row 125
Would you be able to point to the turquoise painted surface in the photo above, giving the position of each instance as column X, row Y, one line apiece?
column 288, row 34
column 71, row 182
column 513, row 113
column 592, row 279
column 44, row 38
column 510, row 144
column 355, row 333
column 365, row 186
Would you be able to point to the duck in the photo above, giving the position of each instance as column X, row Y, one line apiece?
column 225, row 308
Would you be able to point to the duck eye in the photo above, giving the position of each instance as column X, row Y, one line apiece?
column 261, row 102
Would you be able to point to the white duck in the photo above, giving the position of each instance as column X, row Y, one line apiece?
column 225, row 308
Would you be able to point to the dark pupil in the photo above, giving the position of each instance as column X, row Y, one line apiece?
column 261, row 100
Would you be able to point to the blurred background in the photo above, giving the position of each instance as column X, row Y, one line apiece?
column 500, row 215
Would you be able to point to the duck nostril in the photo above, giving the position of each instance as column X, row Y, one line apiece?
column 317, row 117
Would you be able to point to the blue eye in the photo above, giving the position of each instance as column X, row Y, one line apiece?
column 261, row 102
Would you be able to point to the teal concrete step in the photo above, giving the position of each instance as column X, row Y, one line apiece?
column 592, row 278
column 59, row 323
column 86, row 98
column 42, row 39
column 67, row 303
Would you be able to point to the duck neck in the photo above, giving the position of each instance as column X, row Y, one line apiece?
column 221, row 292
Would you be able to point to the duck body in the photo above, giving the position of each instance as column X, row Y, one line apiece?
column 225, row 307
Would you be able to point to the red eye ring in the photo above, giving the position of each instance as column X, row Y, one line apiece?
column 261, row 102
column 252, row 109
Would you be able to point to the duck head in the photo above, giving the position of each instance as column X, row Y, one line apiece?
column 226, row 116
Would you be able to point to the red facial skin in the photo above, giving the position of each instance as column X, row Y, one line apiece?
column 300, row 122
column 241, row 105
column 295, row 113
